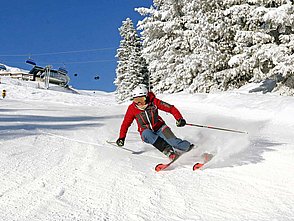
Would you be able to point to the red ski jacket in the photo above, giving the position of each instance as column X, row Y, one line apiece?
column 148, row 118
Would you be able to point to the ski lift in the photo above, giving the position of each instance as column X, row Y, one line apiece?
column 96, row 77
column 2, row 67
column 31, row 62
column 62, row 70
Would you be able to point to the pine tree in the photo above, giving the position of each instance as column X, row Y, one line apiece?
column 131, row 68
column 180, row 43
column 206, row 46
column 212, row 43
column 264, row 44
column 165, row 45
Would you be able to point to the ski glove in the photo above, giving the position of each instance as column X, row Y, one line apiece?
column 181, row 122
column 120, row 142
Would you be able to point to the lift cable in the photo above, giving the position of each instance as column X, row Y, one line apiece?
column 56, row 53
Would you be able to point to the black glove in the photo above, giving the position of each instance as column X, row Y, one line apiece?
column 181, row 122
column 120, row 142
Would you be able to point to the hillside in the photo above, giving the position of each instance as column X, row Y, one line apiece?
column 56, row 165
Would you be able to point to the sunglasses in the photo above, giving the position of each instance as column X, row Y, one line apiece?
column 140, row 100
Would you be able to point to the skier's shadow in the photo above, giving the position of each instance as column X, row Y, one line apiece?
column 139, row 152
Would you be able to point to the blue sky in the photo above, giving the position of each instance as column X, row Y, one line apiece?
column 43, row 28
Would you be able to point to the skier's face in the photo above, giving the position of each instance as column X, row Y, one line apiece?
column 140, row 101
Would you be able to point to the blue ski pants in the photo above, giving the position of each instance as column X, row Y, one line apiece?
column 149, row 136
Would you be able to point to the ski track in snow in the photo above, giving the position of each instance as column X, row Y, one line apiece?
column 55, row 164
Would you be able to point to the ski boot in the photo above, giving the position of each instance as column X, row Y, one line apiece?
column 170, row 153
column 165, row 148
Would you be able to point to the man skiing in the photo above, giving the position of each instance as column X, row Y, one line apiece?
column 151, row 126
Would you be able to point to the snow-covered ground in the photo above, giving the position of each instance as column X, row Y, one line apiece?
column 56, row 165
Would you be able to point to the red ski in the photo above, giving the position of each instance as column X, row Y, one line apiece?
column 197, row 166
column 206, row 158
column 163, row 166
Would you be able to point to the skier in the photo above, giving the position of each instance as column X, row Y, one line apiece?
column 151, row 126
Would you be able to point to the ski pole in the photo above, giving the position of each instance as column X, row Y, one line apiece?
column 217, row 128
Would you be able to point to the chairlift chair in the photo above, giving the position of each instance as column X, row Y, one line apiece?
column 62, row 70
column 2, row 67
column 31, row 62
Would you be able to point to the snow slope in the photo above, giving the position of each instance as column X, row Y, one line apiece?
column 55, row 164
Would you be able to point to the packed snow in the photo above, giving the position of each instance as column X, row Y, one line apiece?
column 55, row 163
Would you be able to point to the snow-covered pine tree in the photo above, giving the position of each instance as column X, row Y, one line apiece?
column 211, row 41
column 264, row 44
column 180, row 43
column 217, row 45
column 166, row 44
column 131, row 68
